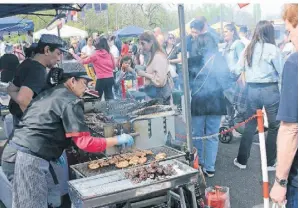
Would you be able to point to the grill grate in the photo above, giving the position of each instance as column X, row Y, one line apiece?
column 84, row 171
column 115, row 181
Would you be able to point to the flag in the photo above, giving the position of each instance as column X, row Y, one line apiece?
column 100, row 7
column 243, row 5
column 104, row 7
column 88, row 6
column 97, row 8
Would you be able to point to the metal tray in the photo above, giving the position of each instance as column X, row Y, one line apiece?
column 111, row 188
column 81, row 170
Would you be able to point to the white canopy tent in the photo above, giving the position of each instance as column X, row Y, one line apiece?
column 65, row 32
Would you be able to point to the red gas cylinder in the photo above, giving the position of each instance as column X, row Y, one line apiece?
column 217, row 197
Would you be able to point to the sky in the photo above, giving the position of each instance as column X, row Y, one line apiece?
column 268, row 8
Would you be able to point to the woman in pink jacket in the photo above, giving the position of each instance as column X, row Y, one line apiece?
column 103, row 63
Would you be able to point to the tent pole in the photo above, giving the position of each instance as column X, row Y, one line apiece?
column 58, row 29
column 58, row 33
column 186, row 82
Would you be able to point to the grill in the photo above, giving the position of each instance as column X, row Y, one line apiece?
column 123, row 107
column 112, row 187
column 82, row 169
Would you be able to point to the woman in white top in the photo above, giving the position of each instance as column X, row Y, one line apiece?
column 89, row 49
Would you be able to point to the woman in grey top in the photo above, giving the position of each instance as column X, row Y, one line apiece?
column 232, row 52
column 234, row 45
column 262, row 66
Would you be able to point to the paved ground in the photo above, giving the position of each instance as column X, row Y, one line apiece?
column 245, row 185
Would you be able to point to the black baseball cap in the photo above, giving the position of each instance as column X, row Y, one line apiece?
column 72, row 68
column 197, row 24
column 52, row 40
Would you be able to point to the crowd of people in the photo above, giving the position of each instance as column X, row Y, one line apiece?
column 263, row 71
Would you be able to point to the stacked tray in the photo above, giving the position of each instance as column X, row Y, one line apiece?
column 113, row 187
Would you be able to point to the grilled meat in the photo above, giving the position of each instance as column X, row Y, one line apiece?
column 122, row 164
column 93, row 166
column 127, row 156
column 134, row 160
column 142, row 160
column 140, row 153
column 160, row 156
column 113, row 161
column 148, row 152
column 104, row 163
column 153, row 171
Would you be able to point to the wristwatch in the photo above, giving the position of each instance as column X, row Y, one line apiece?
column 281, row 182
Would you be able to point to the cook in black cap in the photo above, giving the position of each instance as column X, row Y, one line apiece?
column 31, row 75
column 51, row 122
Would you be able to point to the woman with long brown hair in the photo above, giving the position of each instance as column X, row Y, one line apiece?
column 157, row 77
column 262, row 66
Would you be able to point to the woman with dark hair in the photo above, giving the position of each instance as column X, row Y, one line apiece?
column 234, row 45
column 209, row 77
column 262, row 67
column 158, row 82
column 103, row 63
column 232, row 52
column 88, row 49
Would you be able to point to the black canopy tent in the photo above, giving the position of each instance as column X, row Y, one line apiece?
column 7, row 10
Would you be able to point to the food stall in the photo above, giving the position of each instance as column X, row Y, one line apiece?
column 152, row 173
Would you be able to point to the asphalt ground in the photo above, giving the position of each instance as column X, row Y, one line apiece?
column 245, row 185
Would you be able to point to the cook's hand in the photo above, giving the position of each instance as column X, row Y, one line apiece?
column 278, row 194
column 125, row 139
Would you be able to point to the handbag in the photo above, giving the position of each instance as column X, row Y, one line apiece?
column 160, row 92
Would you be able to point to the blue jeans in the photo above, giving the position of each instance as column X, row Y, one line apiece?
column 259, row 96
column 207, row 148
column 292, row 197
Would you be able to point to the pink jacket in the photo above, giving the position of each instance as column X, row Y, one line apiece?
column 103, row 63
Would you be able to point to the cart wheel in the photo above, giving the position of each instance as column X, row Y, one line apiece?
column 225, row 138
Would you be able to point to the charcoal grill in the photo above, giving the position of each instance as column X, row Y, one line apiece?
column 81, row 170
column 113, row 187
column 153, row 122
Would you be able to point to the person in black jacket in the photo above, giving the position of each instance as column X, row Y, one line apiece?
column 209, row 77
column 8, row 64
